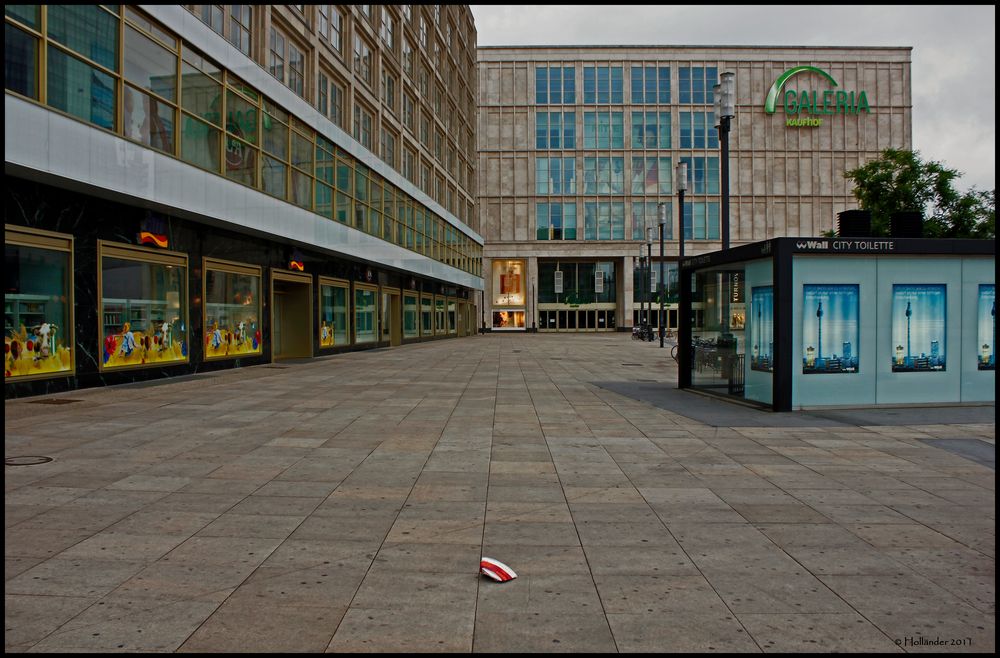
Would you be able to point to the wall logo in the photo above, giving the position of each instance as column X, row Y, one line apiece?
column 812, row 102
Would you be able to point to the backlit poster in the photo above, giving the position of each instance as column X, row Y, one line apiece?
column 830, row 328
column 762, row 328
column 918, row 327
column 987, row 323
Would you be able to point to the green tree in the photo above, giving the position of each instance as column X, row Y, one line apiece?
column 900, row 181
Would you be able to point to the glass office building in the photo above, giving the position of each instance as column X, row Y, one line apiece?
column 578, row 147
column 191, row 187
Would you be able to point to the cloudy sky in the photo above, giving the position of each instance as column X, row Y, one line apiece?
column 953, row 58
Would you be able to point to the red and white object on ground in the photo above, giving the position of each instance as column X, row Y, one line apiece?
column 496, row 570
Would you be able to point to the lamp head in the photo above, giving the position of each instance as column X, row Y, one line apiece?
column 682, row 177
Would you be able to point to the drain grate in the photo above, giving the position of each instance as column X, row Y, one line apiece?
column 277, row 367
column 632, row 364
column 26, row 461
column 54, row 401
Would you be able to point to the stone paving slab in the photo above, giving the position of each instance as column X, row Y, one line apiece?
column 343, row 504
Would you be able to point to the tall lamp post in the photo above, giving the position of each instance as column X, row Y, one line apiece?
column 681, row 185
column 642, row 297
column 661, row 283
column 649, row 273
column 725, row 110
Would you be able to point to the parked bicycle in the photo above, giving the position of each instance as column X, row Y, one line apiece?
column 643, row 332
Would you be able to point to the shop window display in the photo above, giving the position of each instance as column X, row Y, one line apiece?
column 143, row 307
column 333, row 315
column 38, row 326
column 232, row 311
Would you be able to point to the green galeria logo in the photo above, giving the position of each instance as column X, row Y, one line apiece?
column 797, row 103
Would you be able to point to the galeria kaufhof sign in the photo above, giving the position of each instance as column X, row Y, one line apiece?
column 804, row 108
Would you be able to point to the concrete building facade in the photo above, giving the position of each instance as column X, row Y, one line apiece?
column 579, row 146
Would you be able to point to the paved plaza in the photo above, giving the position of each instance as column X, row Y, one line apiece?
column 343, row 504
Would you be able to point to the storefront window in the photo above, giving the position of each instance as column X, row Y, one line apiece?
column 508, row 319
column 364, row 315
column 508, row 283
column 333, row 315
column 426, row 316
column 410, row 328
column 38, row 325
column 719, row 345
column 452, row 317
column 232, row 310
column 143, row 307
column 439, row 315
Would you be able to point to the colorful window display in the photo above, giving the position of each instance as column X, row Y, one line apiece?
column 508, row 319
column 38, row 325
column 333, row 321
column 830, row 328
column 232, row 310
column 987, row 327
column 143, row 307
column 919, row 315
column 365, row 303
column 762, row 328
column 508, row 283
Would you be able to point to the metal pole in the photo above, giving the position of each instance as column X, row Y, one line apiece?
column 660, row 285
column 649, row 280
column 724, row 138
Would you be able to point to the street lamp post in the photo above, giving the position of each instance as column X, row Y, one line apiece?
column 725, row 110
column 642, row 297
column 661, row 287
column 649, row 273
column 681, row 185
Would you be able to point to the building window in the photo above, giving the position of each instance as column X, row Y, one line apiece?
column 603, row 130
column 701, row 221
column 555, row 130
column 407, row 57
column 389, row 90
column 409, row 112
column 604, row 220
column 296, row 70
column 411, row 327
column 651, row 175
column 555, row 85
column 555, row 175
column 603, row 84
column 409, row 161
column 426, row 316
column 386, row 30
column 38, row 304
column 21, row 50
column 334, row 325
column 276, row 61
column 149, row 65
column 240, row 19
column 365, row 312
column 703, row 174
column 201, row 123
column 388, row 148
column 232, row 309
column 362, row 59
column 696, row 84
column 603, row 175
column 646, row 214
column 143, row 306
column 555, row 221
column 650, row 84
column 651, row 130
column 363, row 126
column 698, row 130
column 212, row 15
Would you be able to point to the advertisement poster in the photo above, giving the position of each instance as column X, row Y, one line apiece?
column 987, row 322
column 762, row 328
column 830, row 328
column 918, row 327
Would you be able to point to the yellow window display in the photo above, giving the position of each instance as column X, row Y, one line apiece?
column 232, row 310
column 333, row 323
column 38, row 305
column 143, row 306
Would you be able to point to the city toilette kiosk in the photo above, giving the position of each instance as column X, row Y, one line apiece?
column 794, row 323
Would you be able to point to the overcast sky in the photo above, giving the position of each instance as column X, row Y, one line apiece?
column 953, row 59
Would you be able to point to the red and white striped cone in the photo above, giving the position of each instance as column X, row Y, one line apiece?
column 496, row 570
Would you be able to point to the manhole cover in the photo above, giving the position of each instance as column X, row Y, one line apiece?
column 25, row 461
column 54, row 401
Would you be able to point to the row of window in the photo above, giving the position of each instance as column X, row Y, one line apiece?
column 143, row 308
column 606, row 130
column 605, row 220
column 164, row 94
column 556, row 85
column 607, row 175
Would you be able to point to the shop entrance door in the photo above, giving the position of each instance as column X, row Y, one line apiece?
column 392, row 316
column 291, row 316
